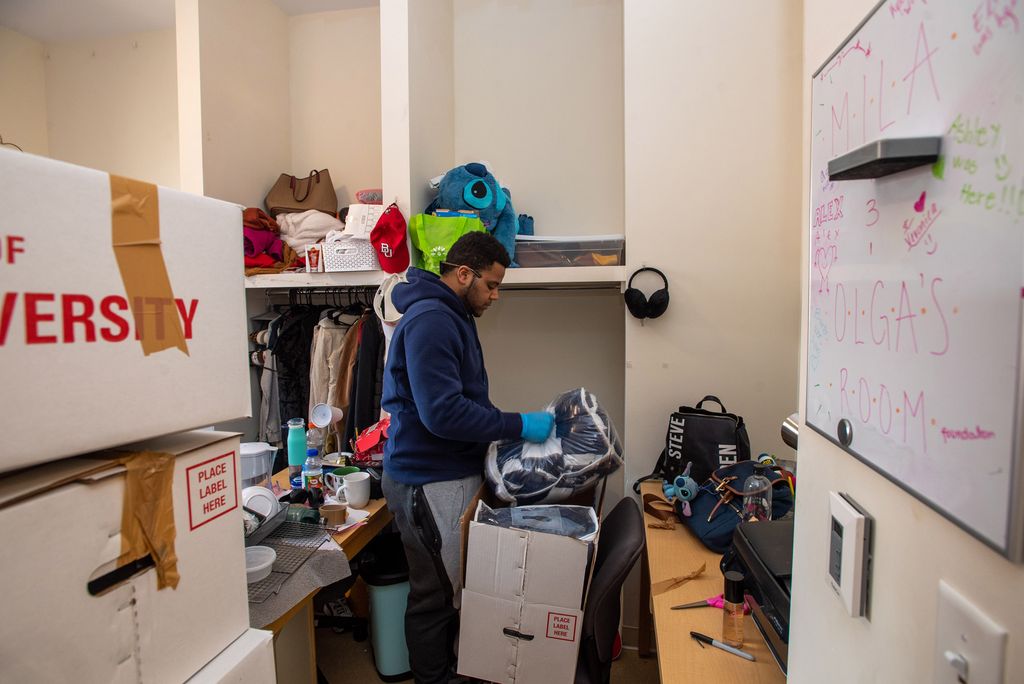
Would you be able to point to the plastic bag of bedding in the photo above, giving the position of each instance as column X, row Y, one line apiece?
column 582, row 449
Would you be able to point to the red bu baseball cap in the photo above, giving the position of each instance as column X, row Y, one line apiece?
column 390, row 241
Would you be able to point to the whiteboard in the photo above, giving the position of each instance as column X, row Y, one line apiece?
column 916, row 279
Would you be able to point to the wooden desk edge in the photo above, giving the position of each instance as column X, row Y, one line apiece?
column 765, row 669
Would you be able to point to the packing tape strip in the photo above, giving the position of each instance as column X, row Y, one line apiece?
column 147, row 514
column 135, row 234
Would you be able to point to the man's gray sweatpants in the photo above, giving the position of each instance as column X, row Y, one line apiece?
column 427, row 517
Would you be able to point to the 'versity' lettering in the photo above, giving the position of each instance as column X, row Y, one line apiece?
column 33, row 317
column 187, row 315
column 84, row 319
column 120, row 332
column 6, row 314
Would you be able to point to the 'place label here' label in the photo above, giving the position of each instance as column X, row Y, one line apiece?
column 212, row 489
column 561, row 626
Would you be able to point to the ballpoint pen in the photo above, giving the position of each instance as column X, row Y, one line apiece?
column 705, row 639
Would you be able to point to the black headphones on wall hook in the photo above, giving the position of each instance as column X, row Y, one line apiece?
column 642, row 306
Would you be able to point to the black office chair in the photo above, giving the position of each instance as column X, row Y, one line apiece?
column 620, row 545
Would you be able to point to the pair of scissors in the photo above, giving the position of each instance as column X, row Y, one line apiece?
column 713, row 601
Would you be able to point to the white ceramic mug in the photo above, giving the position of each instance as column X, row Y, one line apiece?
column 355, row 489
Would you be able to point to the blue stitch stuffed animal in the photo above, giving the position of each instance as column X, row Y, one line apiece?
column 471, row 187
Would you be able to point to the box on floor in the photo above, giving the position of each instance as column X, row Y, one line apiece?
column 522, row 606
column 122, row 311
column 248, row 660
column 71, row 615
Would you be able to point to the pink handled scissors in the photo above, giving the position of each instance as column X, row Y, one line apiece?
column 713, row 601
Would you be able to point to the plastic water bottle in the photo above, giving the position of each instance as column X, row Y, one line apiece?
column 296, row 451
column 312, row 471
column 315, row 439
column 757, row 497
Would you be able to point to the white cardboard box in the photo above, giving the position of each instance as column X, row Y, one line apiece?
column 73, row 355
column 522, row 606
column 60, row 528
column 248, row 660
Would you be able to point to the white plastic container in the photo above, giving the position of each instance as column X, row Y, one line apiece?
column 259, row 560
column 257, row 461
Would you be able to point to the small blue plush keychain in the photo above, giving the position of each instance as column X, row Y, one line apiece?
column 683, row 488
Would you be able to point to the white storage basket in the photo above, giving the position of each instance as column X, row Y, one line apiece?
column 349, row 255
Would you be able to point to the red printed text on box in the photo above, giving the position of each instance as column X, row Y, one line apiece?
column 212, row 489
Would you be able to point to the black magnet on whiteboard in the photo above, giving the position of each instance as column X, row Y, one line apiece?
column 845, row 432
column 884, row 157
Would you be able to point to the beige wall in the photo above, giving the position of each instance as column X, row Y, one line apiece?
column 914, row 547
column 712, row 177
column 538, row 94
column 243, row 49
column 112, row 105
column 539, row 344
column 334, row 63
column 23, row 92
column 190, row 105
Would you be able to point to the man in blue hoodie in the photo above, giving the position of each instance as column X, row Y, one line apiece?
column 435, row 388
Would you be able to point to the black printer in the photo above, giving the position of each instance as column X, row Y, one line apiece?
column 763, row 551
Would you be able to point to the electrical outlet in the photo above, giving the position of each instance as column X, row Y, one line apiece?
column 969, row 647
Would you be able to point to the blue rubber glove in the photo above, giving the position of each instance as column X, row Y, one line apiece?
column 537, row 426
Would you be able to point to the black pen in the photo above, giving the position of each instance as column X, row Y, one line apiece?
column 718, row 644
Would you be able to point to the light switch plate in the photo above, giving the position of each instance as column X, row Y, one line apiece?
column 960, row 627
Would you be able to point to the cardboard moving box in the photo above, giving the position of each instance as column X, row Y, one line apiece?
column 73, row 612
column 522, row 606
column 248, row 660
column 122, row 310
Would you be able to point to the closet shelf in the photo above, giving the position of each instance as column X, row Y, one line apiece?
column 302, row 279
column 515, row 278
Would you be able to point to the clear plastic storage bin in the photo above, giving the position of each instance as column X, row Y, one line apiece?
column 592, row 250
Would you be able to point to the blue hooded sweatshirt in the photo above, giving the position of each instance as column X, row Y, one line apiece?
column 435, row 388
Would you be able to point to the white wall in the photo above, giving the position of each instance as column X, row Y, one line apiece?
column 243, row 49
column 417, row 120
column 112, row 105
column 23, row 89
column 538, row 94
column 712, row 173
column 335, row 97
column 914, row 547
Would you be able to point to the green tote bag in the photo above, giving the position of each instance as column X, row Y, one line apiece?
column 433, row 236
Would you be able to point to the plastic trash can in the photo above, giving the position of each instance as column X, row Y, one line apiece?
column 386, row 575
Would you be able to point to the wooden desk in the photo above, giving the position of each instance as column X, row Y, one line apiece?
column 294, row 650
column 671, row 553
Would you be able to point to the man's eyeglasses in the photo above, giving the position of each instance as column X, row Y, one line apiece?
column 472, row 270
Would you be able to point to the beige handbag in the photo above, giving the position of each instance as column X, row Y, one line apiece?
column 291, row 194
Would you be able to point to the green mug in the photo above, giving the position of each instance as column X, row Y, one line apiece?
column 334, row 478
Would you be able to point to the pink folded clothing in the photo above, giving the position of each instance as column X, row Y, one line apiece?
column 262, row 241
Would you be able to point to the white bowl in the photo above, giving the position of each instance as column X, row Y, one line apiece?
column 258, row 562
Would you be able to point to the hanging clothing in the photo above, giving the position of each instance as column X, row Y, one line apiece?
column 326, row 359
column 292, row 349
column 270, row 415
column 367, row 377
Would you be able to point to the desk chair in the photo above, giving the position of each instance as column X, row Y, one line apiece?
column 619, row 547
